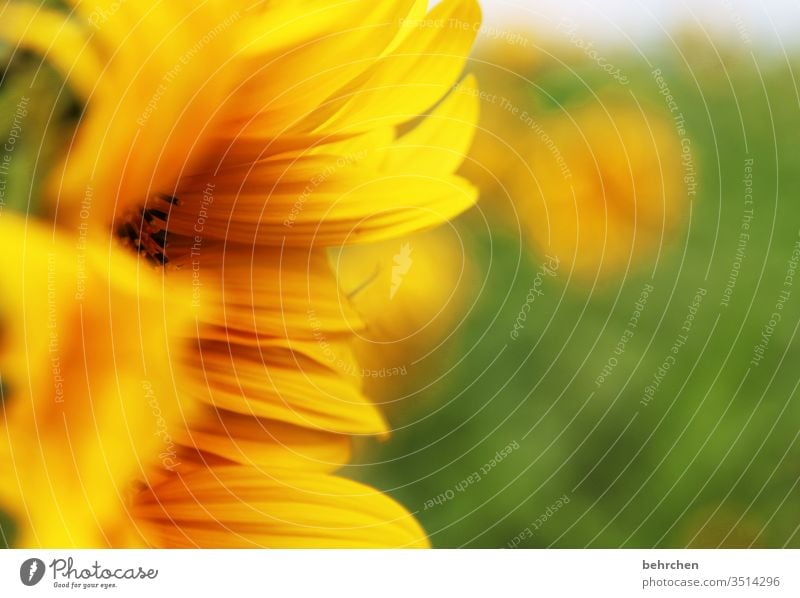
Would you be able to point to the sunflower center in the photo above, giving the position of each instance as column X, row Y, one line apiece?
column 145, row 229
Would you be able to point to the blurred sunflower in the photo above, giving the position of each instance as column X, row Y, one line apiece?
column 230, row 145
column 88, row 390
column 603, row 190
column 598, row 185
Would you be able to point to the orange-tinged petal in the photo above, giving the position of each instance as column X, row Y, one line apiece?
column 269, row 444
column 241, row 507
column 334, row 212
column 251, row 293
column 284, row 384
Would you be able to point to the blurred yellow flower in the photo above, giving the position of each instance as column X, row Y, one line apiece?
column 232, row 144
column 596, row 184
column 604, row 187
column 89, row 392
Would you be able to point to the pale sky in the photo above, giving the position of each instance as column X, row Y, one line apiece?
column 761, row 21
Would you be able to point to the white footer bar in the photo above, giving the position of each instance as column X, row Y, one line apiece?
column 389, row 574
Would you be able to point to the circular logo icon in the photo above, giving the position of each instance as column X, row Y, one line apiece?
column 31, row 572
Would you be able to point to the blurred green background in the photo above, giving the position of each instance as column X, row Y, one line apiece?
column 712, row 459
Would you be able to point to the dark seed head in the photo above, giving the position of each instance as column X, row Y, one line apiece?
column 160, row 237
column 157, row 213
column 170, row 199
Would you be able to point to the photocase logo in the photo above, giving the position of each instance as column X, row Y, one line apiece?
column 31, row 572
column 402, row 264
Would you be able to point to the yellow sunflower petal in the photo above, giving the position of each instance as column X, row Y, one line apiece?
column 240, row 507
column 303, row 56
column 410, row 80
column 269, row 444
column 438, row 145
column 274, row 342
column 337, row 211
column 283, row 384
column 261, row 292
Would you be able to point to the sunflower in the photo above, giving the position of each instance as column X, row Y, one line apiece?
column 594, row 181
column 608, row 179
column 231, row 145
